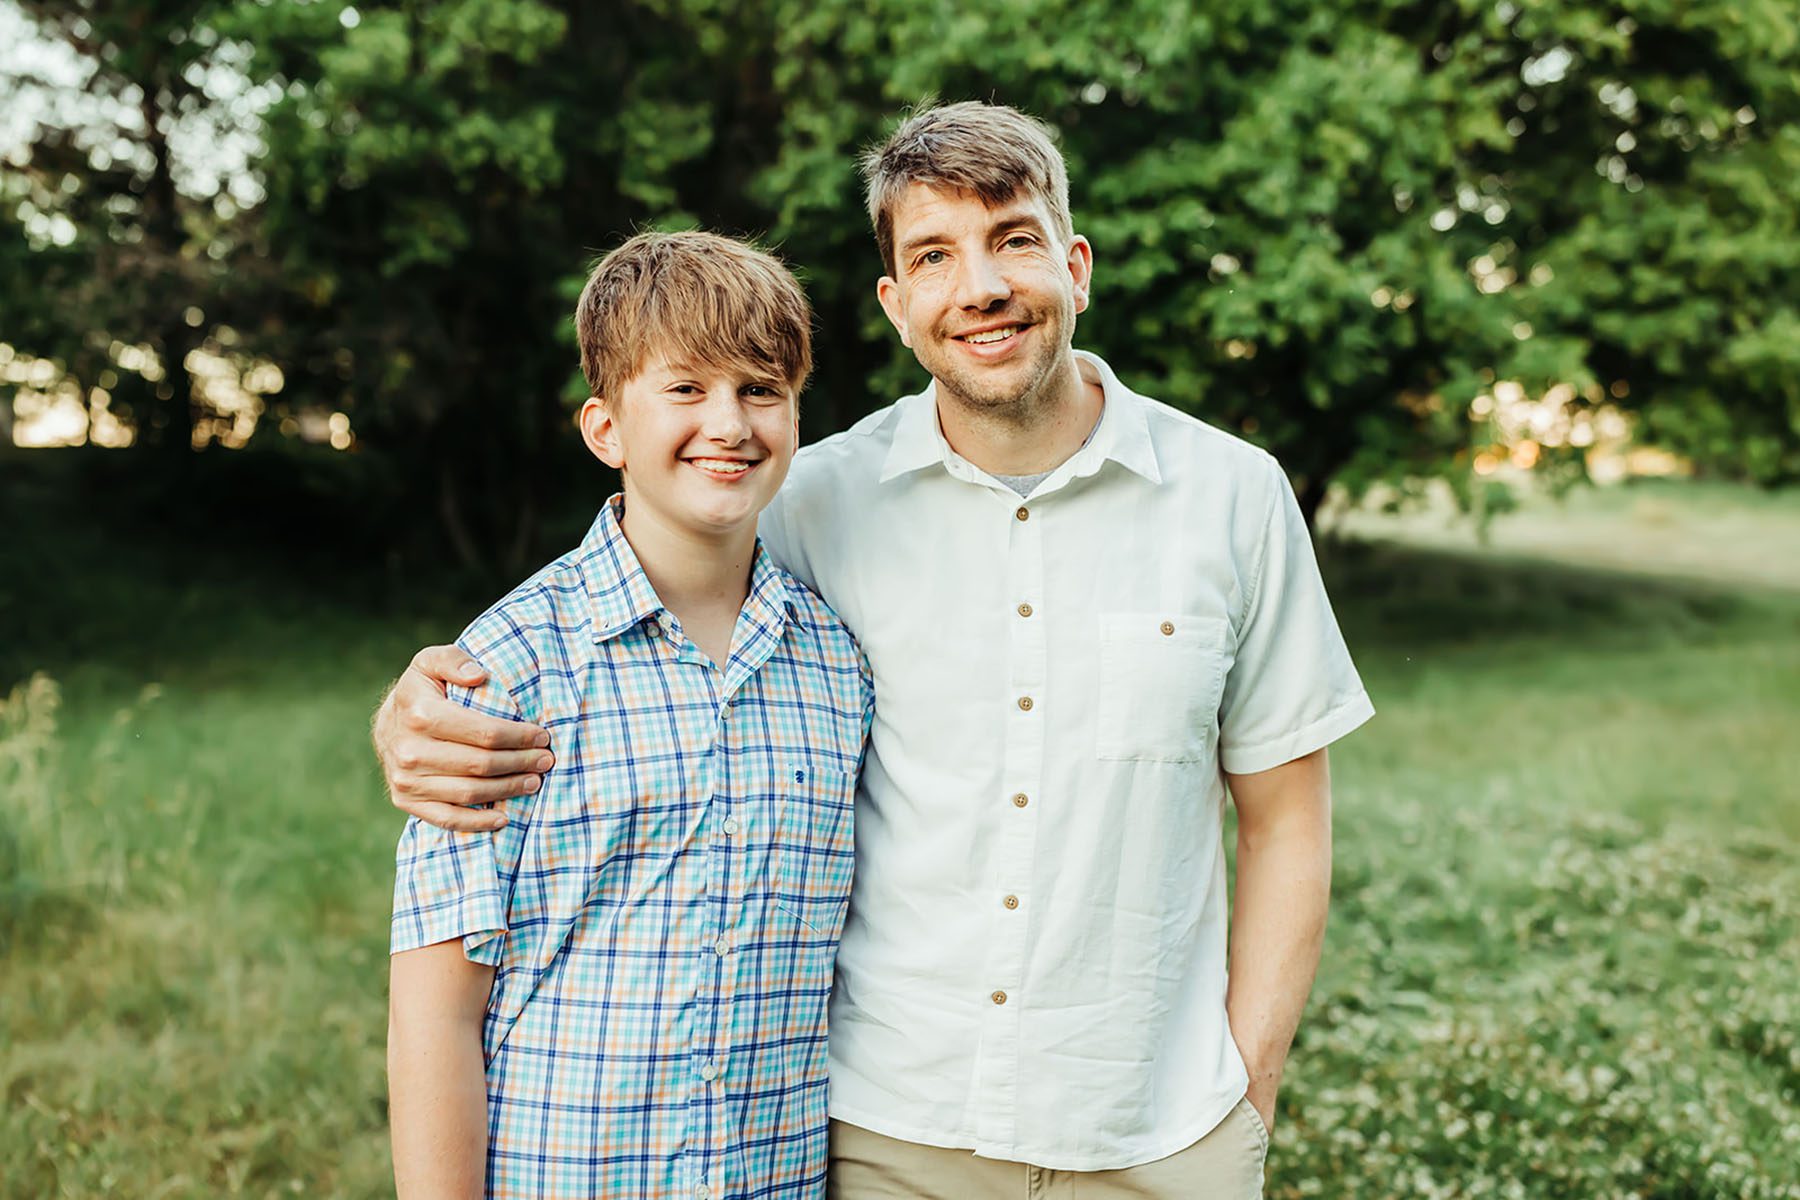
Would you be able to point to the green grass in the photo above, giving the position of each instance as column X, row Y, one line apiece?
column 1562, row 959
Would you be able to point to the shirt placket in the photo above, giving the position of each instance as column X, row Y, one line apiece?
column 709, row 1055
column 1016, row 813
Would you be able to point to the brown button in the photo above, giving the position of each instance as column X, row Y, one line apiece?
column 1025, row 703
column 1011, row 902
column 1024, row 610
column 999, row 997
column 1024, row 514
column 1020, row 800
column 1168, row 627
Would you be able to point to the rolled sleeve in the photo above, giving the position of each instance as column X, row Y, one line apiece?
column 1292, row 688
column 447, row 886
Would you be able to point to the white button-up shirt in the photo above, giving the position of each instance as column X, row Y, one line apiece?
column 1033, row 966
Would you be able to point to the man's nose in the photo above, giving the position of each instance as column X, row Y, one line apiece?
column 980, row 284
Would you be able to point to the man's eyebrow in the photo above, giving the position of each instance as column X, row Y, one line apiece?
column 906, row 248
column 1023, row 220
column 1001, row 224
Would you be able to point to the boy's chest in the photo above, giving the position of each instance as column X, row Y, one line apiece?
column 656, row 758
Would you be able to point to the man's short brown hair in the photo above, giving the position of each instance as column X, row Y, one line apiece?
column 992, row 150
column 691, row 298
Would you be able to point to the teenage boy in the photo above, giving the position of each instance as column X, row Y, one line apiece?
column 623, row 991
column 1088, row 616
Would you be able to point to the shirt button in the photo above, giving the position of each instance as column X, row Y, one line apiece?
column 1024, row 610
column 1011, row 902
column 730, row 826
column 1168, row 627
column 702, row 1193
column 1020, row 800
column 1024, row 703
column 999, row 997
column 722, row 947
column 1024, row 514
column 709, row 1072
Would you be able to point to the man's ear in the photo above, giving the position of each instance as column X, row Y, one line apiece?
column 888, row 292
column 1081, row 269
column 601, row 433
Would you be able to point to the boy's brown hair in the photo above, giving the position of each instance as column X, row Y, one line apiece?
column 691, row 298
column 992, row 150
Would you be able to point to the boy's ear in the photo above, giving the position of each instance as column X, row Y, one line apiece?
column 601, row 433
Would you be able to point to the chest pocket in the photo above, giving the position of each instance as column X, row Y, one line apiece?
column 1161, row 679
column 815, row 849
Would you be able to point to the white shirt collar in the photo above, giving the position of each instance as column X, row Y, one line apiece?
column 1123, row 435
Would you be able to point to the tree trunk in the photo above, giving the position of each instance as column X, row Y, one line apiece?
column 172, row 426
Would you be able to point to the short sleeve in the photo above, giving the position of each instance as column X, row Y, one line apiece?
column 1292, row 688
column 447, row 886
column 456, row 885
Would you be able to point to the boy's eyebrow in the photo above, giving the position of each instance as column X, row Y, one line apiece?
column 746, row 372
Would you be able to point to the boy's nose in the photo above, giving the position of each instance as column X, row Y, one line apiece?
column 724, row 419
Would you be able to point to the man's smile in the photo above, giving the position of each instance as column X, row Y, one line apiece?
column 994, row 341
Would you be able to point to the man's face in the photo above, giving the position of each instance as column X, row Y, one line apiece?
column 985, row 297
column 703, row 448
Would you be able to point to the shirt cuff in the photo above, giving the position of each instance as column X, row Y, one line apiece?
column 476, row 919
column 1264, row 756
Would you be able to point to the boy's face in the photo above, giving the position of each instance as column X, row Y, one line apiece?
column 703, row 448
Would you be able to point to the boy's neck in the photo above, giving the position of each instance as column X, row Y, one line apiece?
column 704, row 581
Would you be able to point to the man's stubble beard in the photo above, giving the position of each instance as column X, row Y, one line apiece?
column 1025, row 406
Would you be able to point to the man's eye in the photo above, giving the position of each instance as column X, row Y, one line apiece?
column 1019, row 240
column 931, row 258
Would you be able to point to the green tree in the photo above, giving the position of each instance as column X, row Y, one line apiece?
column 1330, row 227
column 111, row 235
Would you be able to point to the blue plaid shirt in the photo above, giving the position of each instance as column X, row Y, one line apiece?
column 664, row 913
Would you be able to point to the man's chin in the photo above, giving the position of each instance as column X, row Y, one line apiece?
column 1003, row 385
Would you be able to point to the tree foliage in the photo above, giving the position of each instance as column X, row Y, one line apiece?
column 1327, row 227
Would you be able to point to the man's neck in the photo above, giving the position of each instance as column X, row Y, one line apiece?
column 1038, row 435
column 703, row 581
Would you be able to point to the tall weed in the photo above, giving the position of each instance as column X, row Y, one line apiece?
column 34, row 875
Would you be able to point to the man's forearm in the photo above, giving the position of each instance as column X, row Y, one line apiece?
column 437, row 1089
column 1279, row 907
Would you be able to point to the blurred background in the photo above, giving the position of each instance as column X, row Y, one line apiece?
column 1512, row 289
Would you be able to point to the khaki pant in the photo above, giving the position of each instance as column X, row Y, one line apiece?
column 1226, row 1164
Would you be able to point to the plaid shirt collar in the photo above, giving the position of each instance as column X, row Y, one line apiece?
column 620, row 596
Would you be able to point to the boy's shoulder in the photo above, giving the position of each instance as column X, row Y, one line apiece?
column 809, row 610
column 539, row 628
column 551, row 606
column 828, row 642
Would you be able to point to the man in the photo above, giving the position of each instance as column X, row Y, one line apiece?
column 1086, row 615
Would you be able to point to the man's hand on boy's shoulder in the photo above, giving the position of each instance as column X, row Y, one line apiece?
column 440, row 758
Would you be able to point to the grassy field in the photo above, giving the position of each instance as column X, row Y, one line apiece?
column 1562, row 960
